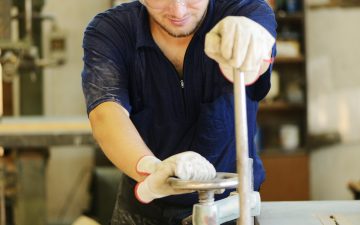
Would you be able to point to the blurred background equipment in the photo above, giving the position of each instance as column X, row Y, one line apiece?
column 34, row 51
column 22, row 169
column 21, row 43
column 2, row 153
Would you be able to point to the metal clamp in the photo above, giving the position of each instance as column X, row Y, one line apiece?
column 208, row 209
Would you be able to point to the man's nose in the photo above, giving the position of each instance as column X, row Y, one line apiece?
column 178, row 8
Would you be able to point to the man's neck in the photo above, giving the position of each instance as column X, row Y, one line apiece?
column 173, row 48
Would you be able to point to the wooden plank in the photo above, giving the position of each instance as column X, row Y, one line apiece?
column 36, row 125
column 40, row 131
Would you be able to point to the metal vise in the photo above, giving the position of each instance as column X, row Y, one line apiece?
column 211, row 212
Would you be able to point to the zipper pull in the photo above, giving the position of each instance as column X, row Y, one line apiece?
column 182, row 84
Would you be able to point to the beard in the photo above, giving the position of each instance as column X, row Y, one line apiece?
column 181, row 35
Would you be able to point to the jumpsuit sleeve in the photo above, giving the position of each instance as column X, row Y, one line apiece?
column 104, row 75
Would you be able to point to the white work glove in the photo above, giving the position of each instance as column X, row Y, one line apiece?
column 187, row 166
column 239, row 42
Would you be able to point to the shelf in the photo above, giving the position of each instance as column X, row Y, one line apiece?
column 287, row 171
column 284, row 59
column 278, row 152
column 333, row 4
column 280, row 106
column 293, row 17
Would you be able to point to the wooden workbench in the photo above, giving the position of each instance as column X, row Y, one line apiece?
column 30, row 137
column 40, row 131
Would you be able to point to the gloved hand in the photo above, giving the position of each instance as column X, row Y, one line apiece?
column 187, row 166
column 239, row 42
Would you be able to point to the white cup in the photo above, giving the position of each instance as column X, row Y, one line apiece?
column 289, row 137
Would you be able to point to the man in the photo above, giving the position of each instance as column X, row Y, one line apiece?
column 159, row 106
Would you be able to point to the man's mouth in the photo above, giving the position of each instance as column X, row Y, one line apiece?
column 179, row 22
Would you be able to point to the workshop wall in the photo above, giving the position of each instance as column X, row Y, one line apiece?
column 333, row 75
column 333, row 94
column 68, row 168
column 331, row 170
column 62, row 85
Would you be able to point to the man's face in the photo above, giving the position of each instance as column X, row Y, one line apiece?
column 178, row 18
